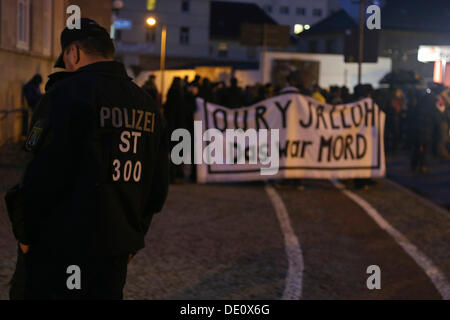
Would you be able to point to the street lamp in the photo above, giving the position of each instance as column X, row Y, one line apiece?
column 151, row 23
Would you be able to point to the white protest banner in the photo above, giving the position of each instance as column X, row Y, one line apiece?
column 289, row 136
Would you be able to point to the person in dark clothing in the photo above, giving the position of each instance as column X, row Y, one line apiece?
column 56, row 77
column 234, row 95
column 206, row 90
column 32, row 93
column 191, row 95
column 363, row 91
column 150, row 87
column 175, row 114
column 423, row 121
column 97, row 173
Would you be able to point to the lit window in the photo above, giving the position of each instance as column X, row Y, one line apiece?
column 151, row 5
column 184, row 35
column 23, row 24
column 284, row 10
column 185, row 6
column 317, row 12
column 222, row 50
column 300, row 11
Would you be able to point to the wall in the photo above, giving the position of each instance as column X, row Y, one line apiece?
column 18, row 66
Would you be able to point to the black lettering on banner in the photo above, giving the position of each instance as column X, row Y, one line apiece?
column 325, row 143
column 260, row 117
column 236, row 116
column 348, row 146
column 370, row 111
column 320, row 115
column 333, row 125
column 336, row 148
column 283, row 151
column 295, row 148
column 225, row 120
column 361, row 142
column 308, row 124
column 283, row 111
column 344, row 124
column 357, row 123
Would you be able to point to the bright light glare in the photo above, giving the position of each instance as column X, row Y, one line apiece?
column 151, row 21
column 298, row 28
column 307, row 26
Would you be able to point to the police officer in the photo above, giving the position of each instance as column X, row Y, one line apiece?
column 98, row 171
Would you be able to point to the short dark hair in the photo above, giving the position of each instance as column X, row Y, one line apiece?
column 101, row 47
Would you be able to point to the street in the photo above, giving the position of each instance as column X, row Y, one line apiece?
column 268, row 241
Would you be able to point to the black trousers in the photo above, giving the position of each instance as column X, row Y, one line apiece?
column 40, row 276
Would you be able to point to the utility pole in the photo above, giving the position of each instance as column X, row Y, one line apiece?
column 163, row 59
column 361, row 39
column 263, row 54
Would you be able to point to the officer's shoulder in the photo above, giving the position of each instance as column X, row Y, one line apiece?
column 77, row 84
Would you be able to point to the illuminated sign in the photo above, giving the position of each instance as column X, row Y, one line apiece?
column 122, row 24
column 433, row 53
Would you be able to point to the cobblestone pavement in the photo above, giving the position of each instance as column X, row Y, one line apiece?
column 223, row 241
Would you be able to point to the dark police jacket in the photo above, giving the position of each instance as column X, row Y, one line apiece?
column 98, row 169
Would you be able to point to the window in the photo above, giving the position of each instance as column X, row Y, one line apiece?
column 151, row 5
column 222, row 50
column 47, row 28
column 284, row 10
column 268, row 8
column 317, row 12
column 301, row 11
column 23, row 24
column 330, row 46
column 150, row 36
column 185, row 6
column 184, row 35
column 313, row 46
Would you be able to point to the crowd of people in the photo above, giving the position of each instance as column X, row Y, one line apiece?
column 416, row 119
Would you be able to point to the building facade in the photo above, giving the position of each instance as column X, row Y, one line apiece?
column 298, row 12
column 186, row 22
column 29, row 44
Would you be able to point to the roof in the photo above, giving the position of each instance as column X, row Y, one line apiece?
column 402, row 15
column 336, row 22
column 226, row 18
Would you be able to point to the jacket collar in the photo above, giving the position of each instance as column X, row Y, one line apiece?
column 112, row 68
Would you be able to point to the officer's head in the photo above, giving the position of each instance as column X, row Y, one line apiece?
column 91, row 43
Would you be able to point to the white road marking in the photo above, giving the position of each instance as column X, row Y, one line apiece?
column 420, row 198
column 294, row 280
column 431, row 270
